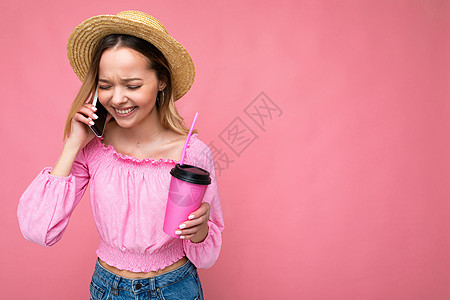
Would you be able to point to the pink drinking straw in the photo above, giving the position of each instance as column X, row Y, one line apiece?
column 188, row 138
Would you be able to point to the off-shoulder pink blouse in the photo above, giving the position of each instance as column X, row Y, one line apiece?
column 128, row 199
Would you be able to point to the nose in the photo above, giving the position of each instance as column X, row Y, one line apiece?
column 118, row 97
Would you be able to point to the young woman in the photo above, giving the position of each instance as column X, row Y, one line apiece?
column 139, row 72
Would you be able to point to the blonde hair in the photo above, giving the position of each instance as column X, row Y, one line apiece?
column 167, row 112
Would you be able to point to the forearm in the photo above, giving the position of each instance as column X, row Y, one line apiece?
column 64, row 164
column 204, row 254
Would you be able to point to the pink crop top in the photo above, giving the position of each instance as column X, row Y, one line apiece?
column 128, row 199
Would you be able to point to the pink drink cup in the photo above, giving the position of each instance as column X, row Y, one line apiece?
column 186, row 191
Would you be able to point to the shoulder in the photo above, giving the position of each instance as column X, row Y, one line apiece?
column 92, row 147
column 199, row 152
column 198, row 146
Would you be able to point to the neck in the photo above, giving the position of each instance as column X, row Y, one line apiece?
column 148, row 131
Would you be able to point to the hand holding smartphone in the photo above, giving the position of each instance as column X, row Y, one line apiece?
column 102, row 113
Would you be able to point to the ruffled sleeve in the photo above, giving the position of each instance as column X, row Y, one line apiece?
column 204, row 254
column 46, row 205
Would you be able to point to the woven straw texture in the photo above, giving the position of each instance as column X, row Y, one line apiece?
column 87, row 35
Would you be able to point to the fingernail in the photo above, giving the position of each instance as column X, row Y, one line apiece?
column 94, row 108
column 182, row 226
column 91, row 122
column 191, row 217
column 95, row 116
column 182, row 237
column 177, row 231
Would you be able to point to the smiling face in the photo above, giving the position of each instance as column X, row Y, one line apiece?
column 127, row 87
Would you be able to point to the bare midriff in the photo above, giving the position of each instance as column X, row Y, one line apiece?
column 134, row 275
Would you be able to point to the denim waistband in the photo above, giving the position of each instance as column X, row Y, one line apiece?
column 143, row 284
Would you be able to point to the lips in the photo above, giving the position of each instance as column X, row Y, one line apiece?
column 125, row 112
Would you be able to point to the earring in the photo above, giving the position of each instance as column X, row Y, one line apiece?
column 161, row 97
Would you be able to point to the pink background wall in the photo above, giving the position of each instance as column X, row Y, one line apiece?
column 342, row 193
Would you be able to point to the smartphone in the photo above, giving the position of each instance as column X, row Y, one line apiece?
column 102, row 113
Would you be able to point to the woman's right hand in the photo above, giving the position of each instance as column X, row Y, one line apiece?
column 81, row 134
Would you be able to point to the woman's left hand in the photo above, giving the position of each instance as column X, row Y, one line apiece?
column 196, row 229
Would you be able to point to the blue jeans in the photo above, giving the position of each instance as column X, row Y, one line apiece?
column 181, row 283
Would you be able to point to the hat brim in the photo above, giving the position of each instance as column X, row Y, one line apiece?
column 86, row 36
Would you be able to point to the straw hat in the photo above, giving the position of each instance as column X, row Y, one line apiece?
column 84, row 39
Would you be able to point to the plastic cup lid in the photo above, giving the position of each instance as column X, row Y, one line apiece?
column 191, row 174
